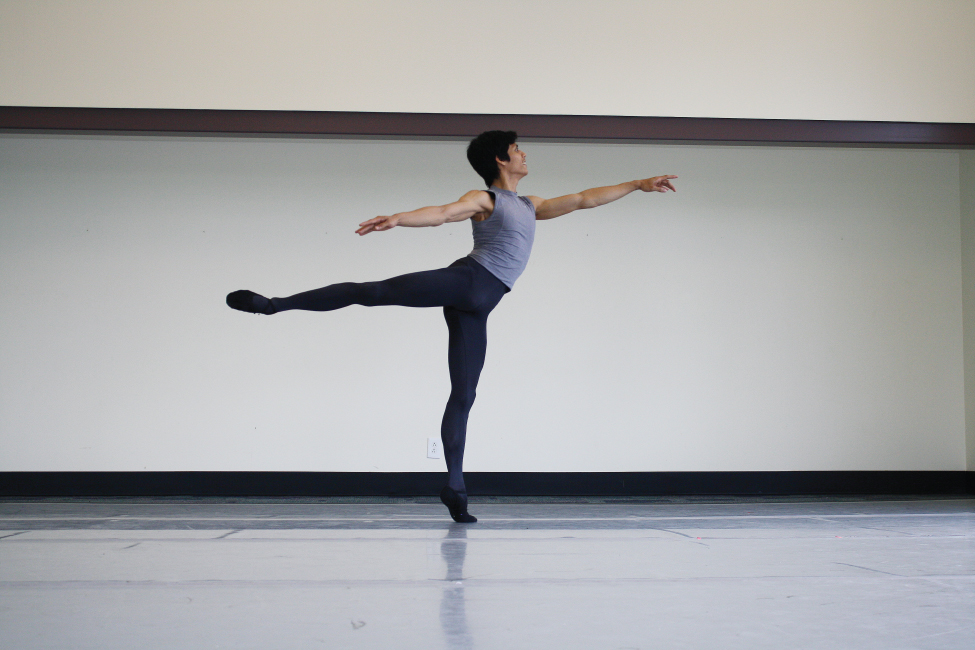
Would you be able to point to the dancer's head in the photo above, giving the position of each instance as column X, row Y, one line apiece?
column 486, row 150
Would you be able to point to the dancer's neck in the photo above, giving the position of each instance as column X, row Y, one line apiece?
column 506, row 182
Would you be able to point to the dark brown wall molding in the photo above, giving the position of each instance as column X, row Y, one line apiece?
column 588, row 127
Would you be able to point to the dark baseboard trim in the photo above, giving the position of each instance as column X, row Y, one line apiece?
column 464, row 125
column 606, row 484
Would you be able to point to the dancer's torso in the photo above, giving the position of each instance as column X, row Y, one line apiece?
column 503, row 241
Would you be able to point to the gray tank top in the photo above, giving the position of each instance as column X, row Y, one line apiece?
column 503, row 241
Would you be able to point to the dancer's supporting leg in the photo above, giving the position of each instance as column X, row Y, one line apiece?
column 465, row 358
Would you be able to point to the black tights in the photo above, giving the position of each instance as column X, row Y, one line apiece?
column 467, row 292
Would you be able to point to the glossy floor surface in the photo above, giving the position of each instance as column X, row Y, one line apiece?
column 732, row 573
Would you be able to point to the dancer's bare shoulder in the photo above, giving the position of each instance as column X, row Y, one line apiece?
column 483, row 200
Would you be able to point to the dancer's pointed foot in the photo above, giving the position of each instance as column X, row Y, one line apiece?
column 456, row 503
column 251, row 302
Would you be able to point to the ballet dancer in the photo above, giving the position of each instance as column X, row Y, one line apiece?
column 467, row 290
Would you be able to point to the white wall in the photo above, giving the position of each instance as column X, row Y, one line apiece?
column 899, row 60
column 787, row 309
column 967, row 183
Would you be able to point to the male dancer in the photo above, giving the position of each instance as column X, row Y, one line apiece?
column 468, row 289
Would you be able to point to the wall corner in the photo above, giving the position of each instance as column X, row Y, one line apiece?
column 967, row 188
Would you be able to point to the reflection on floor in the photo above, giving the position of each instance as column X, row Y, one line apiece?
column 532, row 573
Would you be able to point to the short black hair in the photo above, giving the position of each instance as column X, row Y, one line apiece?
column 486, row 149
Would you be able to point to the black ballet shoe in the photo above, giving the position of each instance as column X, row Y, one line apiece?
column 456, row 503
column 250, row 302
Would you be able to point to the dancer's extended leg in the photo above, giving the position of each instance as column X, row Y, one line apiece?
column 437, row 288
column 453, row 286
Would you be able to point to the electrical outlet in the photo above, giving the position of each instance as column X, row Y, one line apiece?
column 433, row 447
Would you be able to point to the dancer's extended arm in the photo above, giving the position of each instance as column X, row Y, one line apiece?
column 551, row 208
column 474, row 202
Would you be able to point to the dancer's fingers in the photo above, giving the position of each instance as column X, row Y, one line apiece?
column 663, row 183
column 376, row 223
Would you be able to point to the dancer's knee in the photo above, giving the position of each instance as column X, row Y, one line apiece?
column 462, row 401
column 370, row 294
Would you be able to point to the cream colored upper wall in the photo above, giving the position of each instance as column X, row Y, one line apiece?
column 896, row 60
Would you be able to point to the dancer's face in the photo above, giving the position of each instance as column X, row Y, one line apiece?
column 517, row 160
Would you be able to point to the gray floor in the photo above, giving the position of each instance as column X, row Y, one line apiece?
column 786, row 573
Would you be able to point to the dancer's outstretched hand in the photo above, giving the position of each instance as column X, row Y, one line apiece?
column 378, row 223
column 657, row 184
